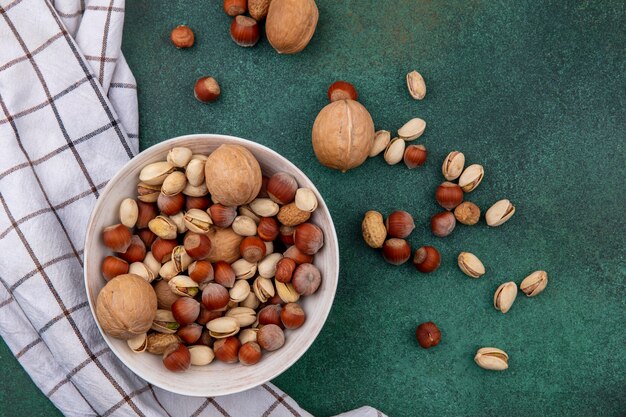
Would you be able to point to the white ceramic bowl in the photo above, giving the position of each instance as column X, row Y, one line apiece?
column 217, row 378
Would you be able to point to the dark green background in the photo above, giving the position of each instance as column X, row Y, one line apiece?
column 532, row 90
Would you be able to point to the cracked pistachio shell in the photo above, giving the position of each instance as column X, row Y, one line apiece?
column 179, row 220
column 138, row 344
column 184, row 286
column 163, row 227
column 243, row 269
column 244, row 226
column 164, row 322
column 168, row 270
column 244, row 316
column 198, row 221
column 499, row 213
column 179, row 156
column 181, row 259
column 452, row 166
column 381, row 141
column 534, row 283
column 395, row 151
column 492, row 359
column 248, row 335
column 142, row 270
column 470, row 265
column 412, row 129
column 222, row 327
column 306, row 200
column 239, row 291
column 195, row 172
column 174, row 183
column 264, row 207
column 247, row 212
column 505, row 296
column 233, row 175
column 286, row 292
column 471, row 177
column 153, row 265
column 263, row 289
column 267, row 266
column 201, row 355
column 416, row 85
column 155, row 173
column 129, row 212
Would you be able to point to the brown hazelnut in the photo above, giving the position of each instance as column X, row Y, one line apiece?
column 233, row 175
column 396, row 251
column 245, row 31
column 268, row 229
column 428, row 335
column 117, row 237
column 196, row 245
column 205, row 339
column 136, row 251
column 177, row 358
column 414, row 156
column 399, row 224
column 286, row 235
column 171, row 204
column 270, row 315
column 215, row 297
column 201, row 272
column 306, row 279
column 250, row 353
column 227, row 350
column 449, row 195
column 282, row 187
column 185, row 310
column 300, row 258
column 147, row 236
column 224, row 274
column 206, row 89
column 342, row 90
column 146, row 212
column 235, row 7
column 113, row 266
column 290, row 24
column 467, row 213
column 200, row 203
column 221, row 215
column 276, row 300
column 292, row 316
column 162, row 249
column 182, row 37
column 252, row 249
column 442, row 224
column 190, row 333
column 270, row 337
column 284, row 270
column 426, row 259
column 308, row 238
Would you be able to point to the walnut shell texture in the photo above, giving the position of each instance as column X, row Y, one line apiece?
column 126, row 306
column 233, row 175
column 224, row 245
column 290, row 24
column 343, row 135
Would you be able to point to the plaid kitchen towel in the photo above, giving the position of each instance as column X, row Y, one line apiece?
column 68, row 122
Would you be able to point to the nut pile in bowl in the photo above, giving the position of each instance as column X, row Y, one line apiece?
column 210, row 260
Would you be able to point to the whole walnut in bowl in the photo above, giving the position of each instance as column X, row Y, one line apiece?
column 233, row 175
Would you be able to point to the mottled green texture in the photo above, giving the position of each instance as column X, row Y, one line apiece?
column 534, row 91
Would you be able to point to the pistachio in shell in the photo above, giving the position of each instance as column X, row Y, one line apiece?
column 233, row 175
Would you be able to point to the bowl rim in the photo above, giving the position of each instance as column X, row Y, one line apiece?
column 92, row 234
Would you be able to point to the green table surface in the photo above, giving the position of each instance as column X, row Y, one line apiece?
column 533, row 91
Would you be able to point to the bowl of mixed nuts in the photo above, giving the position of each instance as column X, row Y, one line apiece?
column 211, row 264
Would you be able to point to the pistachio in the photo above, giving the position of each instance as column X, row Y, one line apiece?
column 184, row 286
column 395, row 151
column 286, row 292
column 239, row 291
column 416, row 85
column 243, row 269
column 452, row 166
column 505, row 296
column 153, row 265
column 141, row 269
column 201, row 355
column 179, row 221
column 195, row 172
column 198, row 221
column 492, row 359
column 180, row 258
column 246, row 211
column 129, row 212
column 164, row 322
column 223, row 327
column 267, row 266
column 499, row 213
column 158, row 342
column 155, row 173
column 168, row 270
column 179, row 157
column 534, row 283
column 269, row 247
column 244, row 316
column 163, row 227
column 251, row 301
column 381, row 140
column 412, row 129
column 200, row 156
column 248, row 335
column 174, row 183
column 306, row 200
column 264, row 207
column 196, row 190
column 148, row 193
column 263, row 289
column 244, row 226
column 471, row 177
column 139, row 343
column 471, row 265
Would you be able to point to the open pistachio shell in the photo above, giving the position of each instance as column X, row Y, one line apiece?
column 184, row 286
column 164, row 322
column 471, row 265
column 155, row 173
column 222, row 327
column 138, row 344
column 286, row 292
column 198, row 221
column 492, row 359
column 499, row 213
column 240, row 291
column 452, row 166
column 534, row 283
column 179, row 156
column 412, row 129
column 471, row 177
column 244, row 316
column 243, row 269
column 263, row 289
column 505, row 296
column 267, row 266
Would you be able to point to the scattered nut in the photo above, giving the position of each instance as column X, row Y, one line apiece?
column 342, row 90
column 452, row 166
column 206, row 89
column 428, row 335
column 182, row 37
column 471, row 177
column 535, row 283
column 412, row 129
column 414, row 156
column 505, row 296
column 467, row 213
column 395, row 151
column 290, row 24
column 373, row 229
column 492, row 359
column 499, row 213
column 416, row 85
column 470, row 265
column 381, row 141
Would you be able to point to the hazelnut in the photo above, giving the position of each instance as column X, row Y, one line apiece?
column 206, row 89
column 201, row 272
column 221, row 215
column 306, row 279
column 282, row 187
column 396, row 251
column 252, row 249
column 171, row 204
column 162, row 249
column 117, row 237
column 224, row 274
column 146, row 236
column 136, row 251
column 200, row 203
column 233, row 175
column 113, row 266
column 428, row 335
column 205, row 339
column 227, row 349
column 286, row 235
column 290, row 24
column 215, row 296
column 258, row 9
column 268, row 229
column 449, row 195
column 300, row 258
column 270, row 337
column 276, row 300
column 177, row 358
column 343, row 134
column 308, row 238
column 185, row 310
column 207, row 315
column 284, row 270
column 245, row 31
column 292, row 316
column 146, row 212
column 235, row 7
column 342, row 90
column 467, row 213
column 182, row 37
column 414, row 156
column 270, row 315
column 250, row 353
column 399, row 224
column 196, row 245
column 190, row 333
column 442, row 224
column 426, row 259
